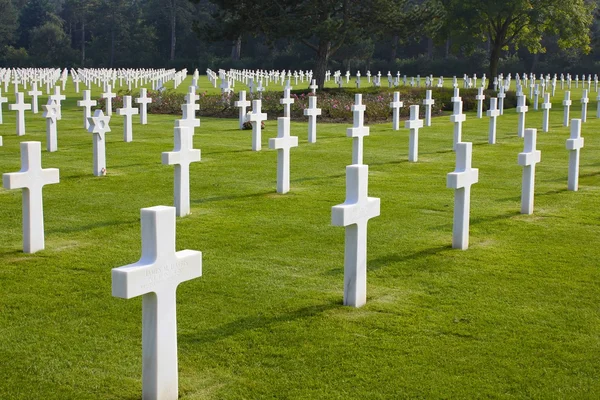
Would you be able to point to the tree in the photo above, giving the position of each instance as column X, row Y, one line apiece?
column 522, row 23
column 8, row 22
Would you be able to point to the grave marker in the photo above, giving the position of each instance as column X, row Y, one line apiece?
column 521, row 110
column 87, row 104
column 566, row 108
column 312, row 112
column 493, row 113
column 574, row 145
column 256, row 118
column 461, row 180
column 283, row 143
column 354, row 214
column 546, row 106
column 480, row 97
column 98, row 126
column 143, row 101
column 51, row 115
column 156, row 277
column 34, row 93
column 31, row 178
column 395, row 106
column 414, row 123
column 528, row 159
column 20, row 108
column 128, row 111
column 182, row 156
column 428, row 102
column 584, row 104
column 358, row 130
column 457, row 118
column 108, row 95
column 242, row 104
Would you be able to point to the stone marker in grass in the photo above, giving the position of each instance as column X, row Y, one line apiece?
column 493, row 113
column 283, row 143
column 521, row 110
column 108, row 95
column 156, row 277
column 566, row 108
column 414, row 124
column 31, row 178
column 358, row 130
column 143, row 101
column 528, row 159
column 51, row 115
column 458, row 118
column 354, row 214
column 396, row 105
column 312, row 112
column 242, row 104
column 98, row 126
column 584, row 104
column 546, row 106
column 428, row 102
column 256, row 118
column 461, row 180
column 34, row 93
column 87, row 104
column 182, row 155
column 128, row 111
column 20, row 106
column 574, row 145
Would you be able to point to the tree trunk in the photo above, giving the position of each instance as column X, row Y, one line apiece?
column 494, row 59
column 83, row 43
column 236, row 50
column 173, row 22
column 394, row 48
column 323, row 53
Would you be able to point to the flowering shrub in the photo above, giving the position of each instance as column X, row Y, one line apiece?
column 336, row 104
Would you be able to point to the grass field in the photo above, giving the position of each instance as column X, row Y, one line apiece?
column 515, row 316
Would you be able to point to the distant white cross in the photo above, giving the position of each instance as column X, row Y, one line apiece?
column 521, row 110
column 566, row 108
column 480, row 97
column 574, row 145
column 395, row 106
column 182, row 156
column 108, row 95
column 501, row 97
column 32, row 179
column 584, row 104
column 287, row 102
column 58, row 98
column 461, row 180
column 493, row 113
column 313, row 87
column 98, row 126
column 428, row 102
column 5, row 100
column 242, row 104
column 34, row 93
column 283, row 143
column 546, row 106
column 128, row 111
column 312, row 112
column 143, row 101
column 256, row 117
column 156, row 277
column 414, row 124
column 51, row 115
column 457, row 118
column 358, row 131
column 87, row 104
column 20, row 107
column 528, row 159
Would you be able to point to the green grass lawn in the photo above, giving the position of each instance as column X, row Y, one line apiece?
column 515, row 316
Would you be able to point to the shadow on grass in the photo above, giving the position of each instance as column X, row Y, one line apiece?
column 316, row 178
column 255, row 322
column 384, row 261
column 210, row 153
column 88, row 227
column 231, row 197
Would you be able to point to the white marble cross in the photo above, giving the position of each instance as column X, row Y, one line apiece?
column 566, row 108
column 354, row 214
column 546, row 106
column 182, row 155
column 188, row 119
column 20, row 108
column 428, row 102
column 156, row 277
column 461, row 180
column 34, row 93
column 501, row 97
column 456, row 96
column 143, row 101
column 493, row 113
column 5, row 100
column 256, row 117
column 287, row 102
column 51, row 115
column 242, row 104
column 528, row 159
column 457, row 118
column 108, row 95
column 312, row 112
column 396, row 105
column 283, row 143
column 358, row 131
column 128, row 111
column 574, row 145
column 597, row 107
column 31, row 179
column 313, row 87
column 98, row 126
column 58, row 98
column 536, row 97
column 584, row 104
column 414, row 124
column 480, row 97
column 87, row 104
column 521, row 110
column 225, row 87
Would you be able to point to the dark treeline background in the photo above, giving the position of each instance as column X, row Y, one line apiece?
column 181, row 33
